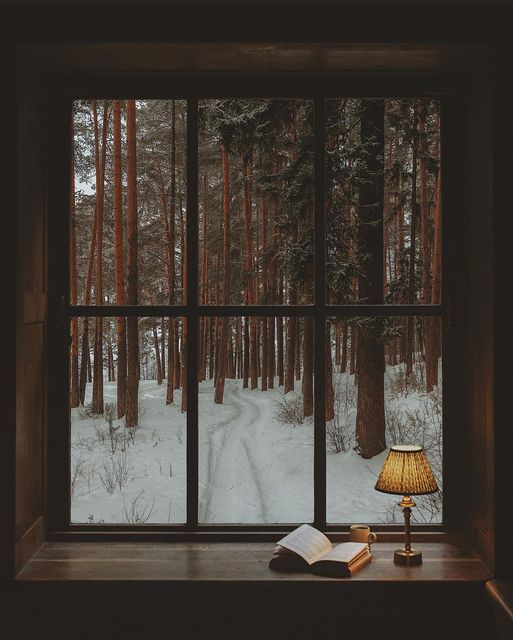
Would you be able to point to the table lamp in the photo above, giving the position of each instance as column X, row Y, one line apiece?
column 406, row 472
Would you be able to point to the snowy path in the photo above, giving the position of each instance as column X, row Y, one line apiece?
column 234, row 478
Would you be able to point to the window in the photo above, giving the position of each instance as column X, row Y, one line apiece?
column 291, row 249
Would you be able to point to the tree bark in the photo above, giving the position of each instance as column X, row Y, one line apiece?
column 119, row 261
column 74, row 382
column 132, row 395
column 308, row 343
column 225, row 323
column 370, row 417
column 410, row 329
column 100, row 157
column 329, row 413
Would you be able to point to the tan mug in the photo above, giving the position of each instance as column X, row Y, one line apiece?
column 362, row 533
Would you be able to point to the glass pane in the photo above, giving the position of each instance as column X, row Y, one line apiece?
column 384, row 387
column 128, row 420
column 383, row 201
column 256, row 202
column 128, row 202
column 256, row 421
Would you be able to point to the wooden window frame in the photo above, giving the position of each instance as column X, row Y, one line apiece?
column 192, row 87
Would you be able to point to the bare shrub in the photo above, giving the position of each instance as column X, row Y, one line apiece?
column 339, row 430
column 115, row 472
column 137, row 511
column 85, row 412
column 85, row 444
column 109, row 413
column 397, row 383
column 289, row 409
column 77, row 475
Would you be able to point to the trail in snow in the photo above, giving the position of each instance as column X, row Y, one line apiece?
column 233, row 466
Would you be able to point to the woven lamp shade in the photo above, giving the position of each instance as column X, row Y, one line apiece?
column 406, row 472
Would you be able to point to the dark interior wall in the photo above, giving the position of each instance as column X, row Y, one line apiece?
column 31, row 305
column 21, row 434
column 502, row 281
column 477, row 294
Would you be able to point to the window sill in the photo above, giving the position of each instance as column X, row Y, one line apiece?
column 232, row 565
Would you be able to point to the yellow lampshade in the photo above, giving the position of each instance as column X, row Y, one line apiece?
column 406, row 472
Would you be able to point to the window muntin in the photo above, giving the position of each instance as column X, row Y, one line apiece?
column 318, row 316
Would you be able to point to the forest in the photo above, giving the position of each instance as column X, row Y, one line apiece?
column 128, row 375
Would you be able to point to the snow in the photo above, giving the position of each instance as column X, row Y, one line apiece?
column 252, row 468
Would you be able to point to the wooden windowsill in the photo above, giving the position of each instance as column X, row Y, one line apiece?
column 232, row 564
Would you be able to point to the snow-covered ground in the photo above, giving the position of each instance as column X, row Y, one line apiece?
column 252, row 467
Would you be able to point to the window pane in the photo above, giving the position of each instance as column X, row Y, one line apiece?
column 256, row 422
column 128, row 420
column 256, row 202
column 383, row 201
column 128, row 202
column 370, row 406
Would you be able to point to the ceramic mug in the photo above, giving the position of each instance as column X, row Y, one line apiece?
column 362, row 533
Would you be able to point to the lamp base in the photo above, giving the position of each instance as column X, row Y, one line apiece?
column 407, row 558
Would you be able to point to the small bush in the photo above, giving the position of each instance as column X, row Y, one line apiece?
column 85, row 412
column 336, row 436
column 115, row 472
column 339, row 431
column 77, row 475
column 137, row 512
column 397, row 383
column 289, row 409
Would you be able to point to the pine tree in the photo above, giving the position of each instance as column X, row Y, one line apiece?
column 132, row 390
column 370, row 417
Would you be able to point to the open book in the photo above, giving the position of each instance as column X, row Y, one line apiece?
column 307, row 549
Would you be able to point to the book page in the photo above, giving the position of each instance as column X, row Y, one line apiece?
column 346, row 552
column 307, row 542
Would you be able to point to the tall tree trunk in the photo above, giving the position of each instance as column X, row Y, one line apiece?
column 132, row 390
column 158, row 363
column 203, row 288
column 265, row 339
column 163, row 348
column 119, row 261
column 245, row 364
column 110, row 356
column 225, row 323
column 100, row 157
column 370, row 417
column 279, row 337
column 308, row 343
column 427, row 323
column 354, row 348
column 74, row 381
column 410, row 338
column 329, row 413
column 183, row 359
column 246, row 173
column 170, row 231
column 343, row 357
column 432, row 373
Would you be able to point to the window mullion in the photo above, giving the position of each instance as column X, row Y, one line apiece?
column 320, row 318
column 191, row 301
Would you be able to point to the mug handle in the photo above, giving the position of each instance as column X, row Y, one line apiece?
column 372, row 537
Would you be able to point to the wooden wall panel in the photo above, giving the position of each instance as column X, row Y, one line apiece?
column 478, row 291
column 30, row 443
column 31, row 307
column 8, row 269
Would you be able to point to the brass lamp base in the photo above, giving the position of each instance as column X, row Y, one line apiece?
column 409, row 558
